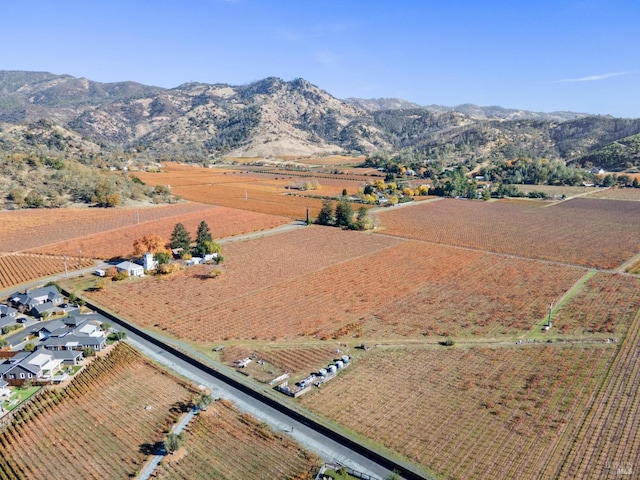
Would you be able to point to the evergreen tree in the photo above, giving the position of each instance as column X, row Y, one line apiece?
column 180, row 238
column 344, row 214
column 203, row 240
column 325, row 217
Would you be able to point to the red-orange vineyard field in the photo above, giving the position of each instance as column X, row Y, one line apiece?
column 588, row 232
column 98, row 426
column 329, row 283
column 223, row 222
column 606, row 304
column 285, row 359
column 258, row 192
column 224, row 443
column 480, row 413
column 19, row 268
column 27, row 229
column 608, row 444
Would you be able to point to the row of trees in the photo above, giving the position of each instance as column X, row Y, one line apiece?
column 342, row 215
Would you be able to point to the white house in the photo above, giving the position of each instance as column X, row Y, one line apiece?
column 133, row 269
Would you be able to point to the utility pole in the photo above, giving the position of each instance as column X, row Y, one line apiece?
column 66, row 271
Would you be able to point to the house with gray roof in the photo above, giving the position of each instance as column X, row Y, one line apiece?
column 85, row 334
column 38, row 367
column 27, row 300
column 7, row 311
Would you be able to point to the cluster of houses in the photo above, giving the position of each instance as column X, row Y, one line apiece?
column 58, row 343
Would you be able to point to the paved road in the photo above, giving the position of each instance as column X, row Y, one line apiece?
column 325, row 448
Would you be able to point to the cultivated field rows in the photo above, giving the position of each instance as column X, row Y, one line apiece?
column 257, row 192
column 97, row 426
column 301, row 284
column 25, row 229
column 608, row 444
column 19, row 268
column 469, row 413
column 223, row 222
column 582, row 231
column 224, row 443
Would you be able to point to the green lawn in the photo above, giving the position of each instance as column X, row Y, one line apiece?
column 18, row 396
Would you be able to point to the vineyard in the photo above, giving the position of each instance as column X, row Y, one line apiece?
column 582, row 231
column 19, row 268
column 224, row 443
column 305, row 286
column 224, row 222
column 28, row 229
column 606, row 304
column 245, row 190
column 98, row 426
column 509, row 412
column 279, row 360
column 608, row 444
column 632, row 194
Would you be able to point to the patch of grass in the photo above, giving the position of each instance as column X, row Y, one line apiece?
column 20, row 394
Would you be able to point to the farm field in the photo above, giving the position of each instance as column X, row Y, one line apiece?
column 582, row 231
column 506, row 412
column 223, row 222
column 308, row 287
column 632, row 194
column 31, row 228
column 272, row 361
column 606, row 304
column 99, row 419
column 225, row 443
column 19, row 268
column 608, row 444
column 556, row 191
column 247, row 190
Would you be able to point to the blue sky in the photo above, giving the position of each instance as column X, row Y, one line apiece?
column 578, row 55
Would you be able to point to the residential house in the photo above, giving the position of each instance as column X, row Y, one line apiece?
column 81, row 335
column 27, row 300
column 133, row 269
column 38, row 366
column 7, row 321
column 49, row 329
column 7, row 311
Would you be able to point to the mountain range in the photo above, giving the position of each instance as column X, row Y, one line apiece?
column 271, row 118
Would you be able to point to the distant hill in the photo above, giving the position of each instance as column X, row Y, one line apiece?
column 272, row 117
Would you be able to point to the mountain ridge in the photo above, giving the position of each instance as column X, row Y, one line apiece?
column 274, row 117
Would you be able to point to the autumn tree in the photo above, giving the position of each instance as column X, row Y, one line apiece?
column 180, row 237
column 150, row 243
